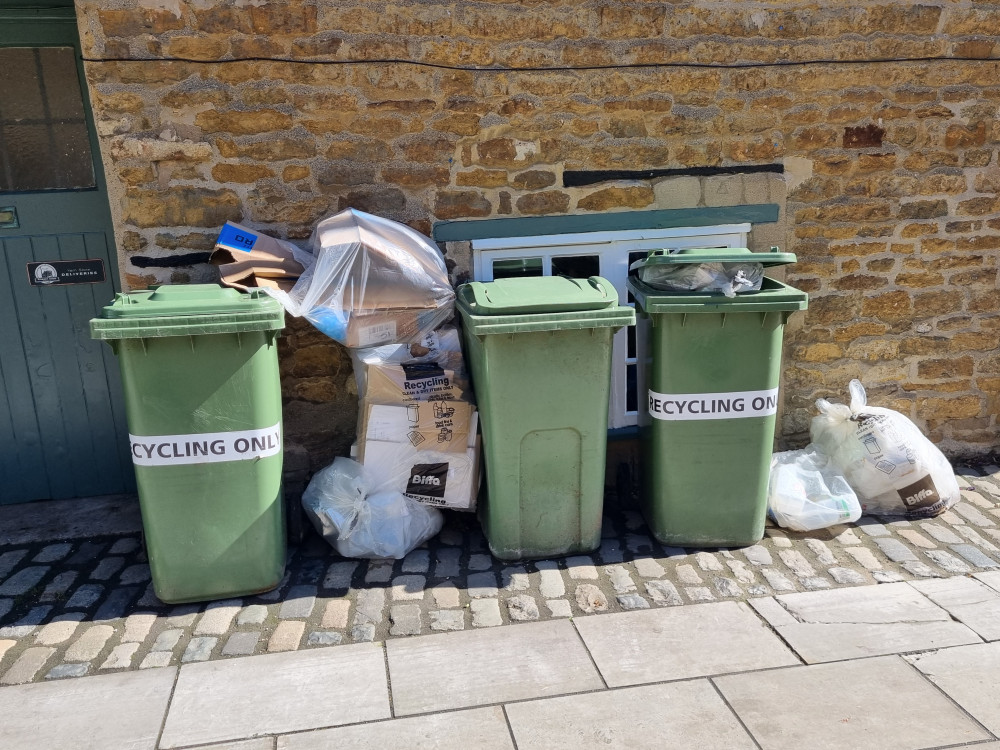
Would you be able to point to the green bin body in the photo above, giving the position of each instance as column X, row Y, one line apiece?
column 539, row 349
column 203, row 399
column 707, row 429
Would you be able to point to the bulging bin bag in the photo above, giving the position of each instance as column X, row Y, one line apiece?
column 372, row 281
column 893, row 467
column 358, row 512
column 728, row 278
column 806, row 492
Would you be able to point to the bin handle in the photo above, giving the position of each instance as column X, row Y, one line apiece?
column 595, row 281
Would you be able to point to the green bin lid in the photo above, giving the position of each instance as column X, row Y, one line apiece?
column 541, row 303
column 714, row 255
column 539, row 294
column 187, row 310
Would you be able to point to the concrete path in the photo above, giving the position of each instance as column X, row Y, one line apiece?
column 828, row 669
column 881, row 635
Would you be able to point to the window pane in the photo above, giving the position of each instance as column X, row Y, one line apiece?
column 22, row 143
column 516, row 267
column 21, row 92
column 44, row 144
column 576, row 266
column 631, row 389
column 62, row 84
column 74, row 167
column 630, row 336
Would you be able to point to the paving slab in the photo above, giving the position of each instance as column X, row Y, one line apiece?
column 991, row 579
column 474, row 668
column 245, row 697
column 474, row 729
column 970, row 602
column 123, row 710
column 970, row 675
column 858, row 622
column 633, row 648
column 261, row 743
column 687, row 714
column 878, row 704
column 69, row 519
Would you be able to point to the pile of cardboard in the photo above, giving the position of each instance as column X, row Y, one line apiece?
column 248, row 259
column 371, row 284
column 418, row 422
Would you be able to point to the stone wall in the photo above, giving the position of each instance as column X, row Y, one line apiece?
column 883, row 117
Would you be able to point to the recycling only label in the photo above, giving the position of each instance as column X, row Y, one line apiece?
column 698, row 406
column 206, row 447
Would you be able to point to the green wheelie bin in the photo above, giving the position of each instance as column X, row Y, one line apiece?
column 199, row 368
column 539, row 349
column 712, row 374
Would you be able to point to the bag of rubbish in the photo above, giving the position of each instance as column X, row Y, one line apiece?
column 372, row 281
column 728, row 278
column 361, row 517
column 893, row 467
column 806, row 492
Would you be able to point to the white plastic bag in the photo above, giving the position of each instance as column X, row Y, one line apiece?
column 363, row 520
column 728, row 278
column 372, row 281
column 806, row 492
column 893, row 467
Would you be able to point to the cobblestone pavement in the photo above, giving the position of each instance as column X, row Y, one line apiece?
column 85, row 607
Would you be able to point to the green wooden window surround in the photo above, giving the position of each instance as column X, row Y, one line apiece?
column 528, row 226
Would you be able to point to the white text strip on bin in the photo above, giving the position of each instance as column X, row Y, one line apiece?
column 693, row 406
column 206, row 447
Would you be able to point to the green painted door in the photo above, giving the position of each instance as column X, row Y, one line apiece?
column 62, row 421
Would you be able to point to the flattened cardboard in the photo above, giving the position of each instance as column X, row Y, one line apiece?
column 248, row 259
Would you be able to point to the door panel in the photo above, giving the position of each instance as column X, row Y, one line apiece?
column 62, row 422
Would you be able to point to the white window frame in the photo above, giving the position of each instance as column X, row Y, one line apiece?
column 612, row 250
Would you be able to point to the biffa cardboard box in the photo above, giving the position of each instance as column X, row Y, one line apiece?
column 430, row 449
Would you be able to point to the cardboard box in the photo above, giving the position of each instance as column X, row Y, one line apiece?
column 418, row 381
column 442, row 480
column 441, row 426
column 419, row 469
column 248, row 259
column 369, row 326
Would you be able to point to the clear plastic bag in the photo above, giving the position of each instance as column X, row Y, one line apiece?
column 372, row 281
column 893, row 467
column 728, row 278
column 806, row 492
column 366, row 518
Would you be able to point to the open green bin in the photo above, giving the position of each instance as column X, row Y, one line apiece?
column 203, row 399
column 539, row 349
column 707, row 430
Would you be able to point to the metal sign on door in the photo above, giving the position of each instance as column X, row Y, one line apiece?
column 62, row 272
